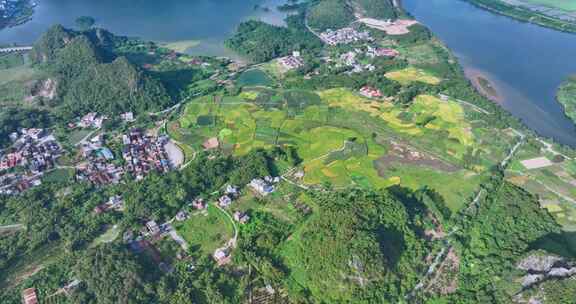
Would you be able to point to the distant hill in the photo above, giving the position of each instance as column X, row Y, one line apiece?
column 335, row 14
column 91, row 78
column 379, row 9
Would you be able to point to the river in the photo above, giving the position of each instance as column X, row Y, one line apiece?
column 208, row 22
column 525, row 62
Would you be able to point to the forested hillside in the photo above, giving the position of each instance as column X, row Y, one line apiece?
column 260, row 41
column 330, row 14
column 89, row 78
column 379, row 9
column 360, row 246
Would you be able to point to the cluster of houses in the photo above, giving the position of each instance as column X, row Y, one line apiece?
column 373, row 52
column 33, row 152
column 90, row 120
column 264, row 186
column 350, row 58
column 344, row 36
column 230, row 193
column 144, row 153
column 291, row 62
column 93, row 120
column 99, row 168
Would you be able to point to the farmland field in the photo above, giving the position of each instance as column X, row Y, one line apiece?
column 344, row 138
column 412, row 74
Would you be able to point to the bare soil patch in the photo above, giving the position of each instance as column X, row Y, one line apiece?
column 403, row 154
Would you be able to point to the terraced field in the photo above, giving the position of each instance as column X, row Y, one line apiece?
column 345, row 139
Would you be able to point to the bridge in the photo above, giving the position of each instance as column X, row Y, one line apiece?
column 15, row 49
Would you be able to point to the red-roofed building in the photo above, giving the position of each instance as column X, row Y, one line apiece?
column 29, row 296
column 370, row 92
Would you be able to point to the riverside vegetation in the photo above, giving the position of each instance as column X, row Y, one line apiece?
column 419, row 196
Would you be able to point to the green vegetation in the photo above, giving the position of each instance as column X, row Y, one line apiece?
column 330, row 14
column 260, row 42
column 88, row 80
column 394, row 199
column 566, row 96
column 206, row 231
column 14, row 118
column 13, row 60
column 378, row 9
column 373, row 256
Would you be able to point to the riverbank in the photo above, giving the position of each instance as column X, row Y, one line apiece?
column 525, row 15
column 484, row 85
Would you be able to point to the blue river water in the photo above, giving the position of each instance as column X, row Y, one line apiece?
column 525, row 62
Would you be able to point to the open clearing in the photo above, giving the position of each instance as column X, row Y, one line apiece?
column 536, row 163
column 398, row 27
column 412, row 74
column 206, row 231
column 181, row 46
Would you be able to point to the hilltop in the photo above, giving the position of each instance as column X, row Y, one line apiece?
column 89, row 77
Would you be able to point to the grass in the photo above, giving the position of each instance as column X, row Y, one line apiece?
column 412, row 74
column 28, row 264
column 181, row 46
column 77, row 135
column 59, row 175
column 20, row 73
column 12, row 60
column 110, row 235
column 206, row 231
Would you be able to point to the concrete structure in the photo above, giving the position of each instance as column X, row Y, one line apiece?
column 15, row 49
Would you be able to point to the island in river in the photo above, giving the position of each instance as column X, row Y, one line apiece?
column 364, row 170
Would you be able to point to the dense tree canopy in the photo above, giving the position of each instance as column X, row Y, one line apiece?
column 330, row 14
column 87, row 79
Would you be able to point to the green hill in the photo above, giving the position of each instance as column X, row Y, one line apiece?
column 361, row 247
column 379, row 9
column 330, row 14
column 91, row 78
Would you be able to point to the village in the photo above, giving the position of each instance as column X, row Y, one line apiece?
column 33, row 153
